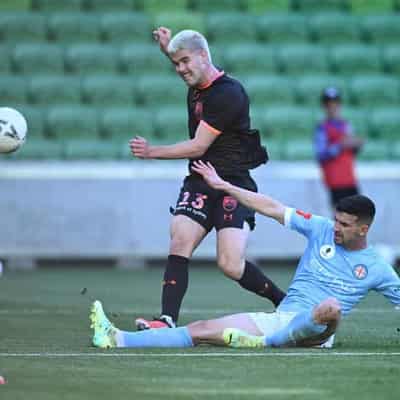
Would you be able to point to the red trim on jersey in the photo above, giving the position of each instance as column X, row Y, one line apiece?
column 211, row 81
column 210, row 128
column 304, row 214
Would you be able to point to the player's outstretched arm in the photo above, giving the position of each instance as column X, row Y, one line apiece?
column 261, row 203
column 162, row 36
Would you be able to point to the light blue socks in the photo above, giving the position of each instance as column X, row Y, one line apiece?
column 164, row 337
column 302, row 326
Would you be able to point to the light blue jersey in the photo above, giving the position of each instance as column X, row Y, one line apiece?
column 329, row 270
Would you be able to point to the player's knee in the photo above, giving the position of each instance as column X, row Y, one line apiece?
column 198, row 330
column 231, row 267
column 329, row 311
column 181, row 244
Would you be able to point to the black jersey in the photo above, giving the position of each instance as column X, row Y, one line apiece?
column 224, row 107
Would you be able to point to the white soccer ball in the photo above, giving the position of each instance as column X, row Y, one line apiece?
column 13, row 128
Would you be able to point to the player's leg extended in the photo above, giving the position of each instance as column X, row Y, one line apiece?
column 231, row 250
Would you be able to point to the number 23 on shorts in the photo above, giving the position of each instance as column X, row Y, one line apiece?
column 198, row 203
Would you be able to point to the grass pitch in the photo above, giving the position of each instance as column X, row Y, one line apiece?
column 45, row 350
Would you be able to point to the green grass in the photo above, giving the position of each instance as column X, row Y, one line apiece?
column 44, row 312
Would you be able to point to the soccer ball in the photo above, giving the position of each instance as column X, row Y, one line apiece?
column 13, row 128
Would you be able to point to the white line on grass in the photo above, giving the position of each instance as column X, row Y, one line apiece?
column 317, row 353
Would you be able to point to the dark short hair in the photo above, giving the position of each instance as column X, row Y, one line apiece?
column 358, row 205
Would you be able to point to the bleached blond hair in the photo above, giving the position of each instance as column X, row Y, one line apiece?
column 188, row 40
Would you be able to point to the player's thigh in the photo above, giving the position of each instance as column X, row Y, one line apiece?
column 210, row 331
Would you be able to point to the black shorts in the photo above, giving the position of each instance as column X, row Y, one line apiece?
column 214, row 208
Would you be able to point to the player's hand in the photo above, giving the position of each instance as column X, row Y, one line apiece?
column 139, row 147
column 162, row 35
column 209, row 174
column 352, row 142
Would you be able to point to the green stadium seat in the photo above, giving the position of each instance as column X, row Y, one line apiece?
column 334, row 28
column 180, row 20
column 161, row 90
column 262, row 6
column 171, row 124
column 266, row 90
column 5, row 65
column 298, row 149
column 157, row 6
column 29, row 59
column 295, row 59
column 391, row 59
column 40, row 149
column 210, row 6
column 73, row 27
column 318, row 6
column 49, row 90
column 107, row 5
column 108, row 90
column 278, row 28
column 371, row 6
column 356, row 59
column 382, row 29
column 13, row 90
column 309, row 88
column 122, row 124
column 142, row 59
column 15, row 5
column 289, row 122
column 91, row 58
column 231, row 27
column 359, row 120
column 72, row 122
column 56, row 5
column 258, row 119
column 80, row 149
column 125, row 27
column 22, row 27
column 374, row 150
column 251, row 58
column 375, row 91
column 35, row 119
column 385, row 123
column 274, row 148
column 395, row 150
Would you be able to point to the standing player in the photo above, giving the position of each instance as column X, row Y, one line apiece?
column 219, row 131
column 336, row 147
column 336, row 271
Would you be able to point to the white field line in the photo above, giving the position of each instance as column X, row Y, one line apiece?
column 316, row 353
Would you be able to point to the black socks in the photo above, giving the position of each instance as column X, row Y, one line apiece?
column 254, row 280
column 174, row 285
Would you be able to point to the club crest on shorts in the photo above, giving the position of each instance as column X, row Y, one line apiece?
column 327, row 251
column 229, row 203
column 360, row 271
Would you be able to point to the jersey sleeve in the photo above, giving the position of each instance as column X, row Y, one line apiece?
column 307, row 224
column 323, row 149
column 390, row 286
column 221, row 107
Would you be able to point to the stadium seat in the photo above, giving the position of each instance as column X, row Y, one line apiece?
column 295, row 59
column 382, row 29
column 40, row 149
column 107, row 5
column 334, row 28
column 210, row 6
column 5, row 65
column 250, row 58
column 171, row 124
column 15, row 5
column 318, row 6
column 124, row 123
column 40, row 58
column 70, row 122
column 385, row 123
column 142, row 59
column 73, row 27
column 161, row 90
column 375, row 91
column 374, row 149
column 266, row 90
column 394, row 151
column 289, row 122
column 13, row 90
column 91, row 58
column 391, row 59
column 274, row 148
column 50, row 90
column 125, row 27
column 370, row 6
column 58, row 5
column 157, row 6
column 81, row 149
column 359, row 120
column 35, row 119
column 231, row 27
column 258, row 119
column 309, row 88
column 356, row 59
column 262, row 6
column 108, row 90
column 179, row 20
column 298, row 149
column 22, row 27
column 277, row 28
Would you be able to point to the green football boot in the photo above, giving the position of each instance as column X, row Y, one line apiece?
column 104, row 330
column 239, row 339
